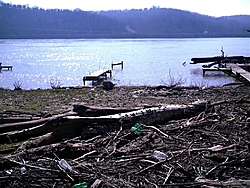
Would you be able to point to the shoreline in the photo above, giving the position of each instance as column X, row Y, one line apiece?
column 132, row 36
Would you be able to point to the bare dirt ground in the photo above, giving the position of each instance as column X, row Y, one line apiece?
column 210, row 148
column 60, row 100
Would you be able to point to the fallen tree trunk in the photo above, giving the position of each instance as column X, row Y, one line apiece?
column 35, row 142
column 83, row 110
column 13, row 124
column 25, row 125
column 72, row 126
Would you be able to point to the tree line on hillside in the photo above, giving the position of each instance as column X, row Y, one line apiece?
column 163, row 20
column 17, row 21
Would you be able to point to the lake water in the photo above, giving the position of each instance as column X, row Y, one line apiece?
column 37, row 63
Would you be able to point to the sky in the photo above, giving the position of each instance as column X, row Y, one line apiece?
column 215, row 8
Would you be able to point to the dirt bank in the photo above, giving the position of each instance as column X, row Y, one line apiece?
column 61, row 100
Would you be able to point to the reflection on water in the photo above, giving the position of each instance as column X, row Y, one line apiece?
column 146, row 61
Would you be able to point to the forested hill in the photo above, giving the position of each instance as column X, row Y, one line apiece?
column 18, row 21
column 172, row 22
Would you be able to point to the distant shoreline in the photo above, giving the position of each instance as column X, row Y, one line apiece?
column 124, row 36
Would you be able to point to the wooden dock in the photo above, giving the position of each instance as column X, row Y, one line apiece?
column 236, row 66
column 217, row 59
column 236, row 70
column 8, row 67
column 97, row 77
column 226, row 70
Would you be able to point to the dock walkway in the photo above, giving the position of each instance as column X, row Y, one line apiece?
column 8, row 67
column 97, row 76
column 238, row 71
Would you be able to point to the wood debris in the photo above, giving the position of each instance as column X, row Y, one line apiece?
column 208, row 148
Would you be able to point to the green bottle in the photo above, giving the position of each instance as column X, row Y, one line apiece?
column 137, row 128
column 81, row 185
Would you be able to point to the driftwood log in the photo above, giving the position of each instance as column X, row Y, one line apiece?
column 70, row 126
column 20, row 123
column 27, row 124
column 88, row 111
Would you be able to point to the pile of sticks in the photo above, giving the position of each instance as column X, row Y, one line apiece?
column 210, row 148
